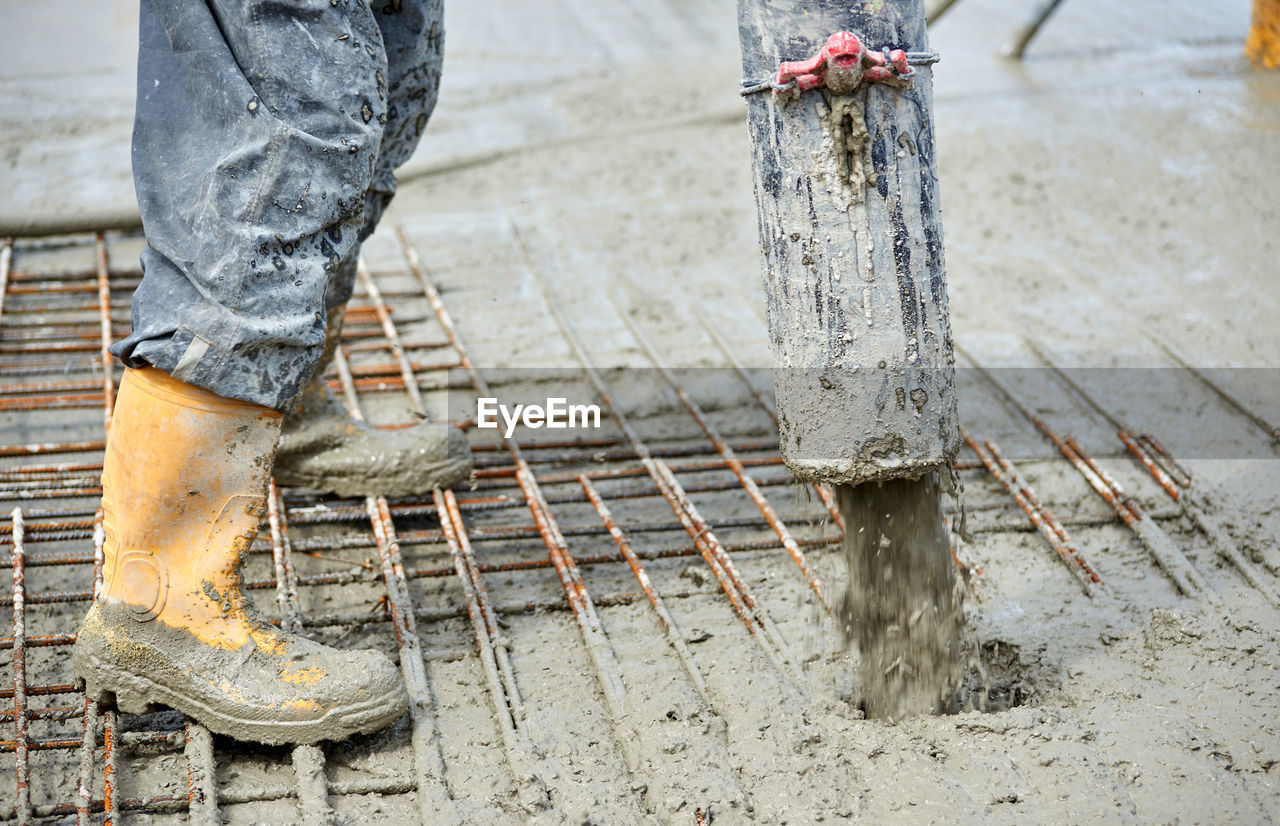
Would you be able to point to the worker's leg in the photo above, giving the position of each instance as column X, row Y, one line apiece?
column 257, row 131
column 413, row 35
column 320, row 446
column 256, row 137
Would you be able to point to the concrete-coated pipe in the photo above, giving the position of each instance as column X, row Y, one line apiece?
column 851, row 236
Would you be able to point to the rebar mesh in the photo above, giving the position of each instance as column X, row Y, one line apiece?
column 577, row 525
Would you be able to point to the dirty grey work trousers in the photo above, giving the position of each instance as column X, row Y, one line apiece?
column 264, row 142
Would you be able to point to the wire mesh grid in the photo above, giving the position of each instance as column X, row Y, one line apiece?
column 566, row 527
column 399, row 566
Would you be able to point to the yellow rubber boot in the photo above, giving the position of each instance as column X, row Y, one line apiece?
column 183, row 489
column 323, row 448
column 1263, row 43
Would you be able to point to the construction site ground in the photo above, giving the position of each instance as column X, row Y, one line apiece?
column 1109, row 209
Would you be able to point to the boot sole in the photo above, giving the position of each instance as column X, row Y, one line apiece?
column 135, row 694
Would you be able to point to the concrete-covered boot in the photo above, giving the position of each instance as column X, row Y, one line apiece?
column 323, row 448
column 183, row 489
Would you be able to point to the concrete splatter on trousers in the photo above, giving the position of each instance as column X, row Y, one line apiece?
column 264, row 144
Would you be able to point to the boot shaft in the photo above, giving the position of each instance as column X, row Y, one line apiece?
column 183, row 490
column 184, row 487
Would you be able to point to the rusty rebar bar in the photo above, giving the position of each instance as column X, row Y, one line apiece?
column 1171, row 466
column 42, row 690
column 29, row 367
column 84, row 784
column 58, row 713
column 61, row 468
column 159, row 804
column 49, row 347
column 110, row 802
column 501, row 652
column 43, row 448
column 494, row 658
column 1166, row 554
column 89, row 733
column 482, row 625
column 1140, row 453
column 22, row 791
column 608, row 673
column 377, row 345
column 104, row 308
column 1016, row 479
column 308, row 760
column 281, row 559
column 258, row 793
column 392, row 336
column 668, row 623
column 38, row 329
column 1203, row 507
column 91, row 713
column 73, row 402
column 43, row 641
column 435, row 801
column 758, row 621
column 1053, row 532
column 202, row 787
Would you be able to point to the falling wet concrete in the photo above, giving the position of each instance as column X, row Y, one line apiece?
column 903, row 601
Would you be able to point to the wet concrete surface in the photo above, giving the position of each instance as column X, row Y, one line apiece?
column 1111, row 189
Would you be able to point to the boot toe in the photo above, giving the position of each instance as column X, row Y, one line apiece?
column 447, row 451
column 319, row 693
column 334, row 681
column 375, row 680
column 412, row 462
column 371, row 462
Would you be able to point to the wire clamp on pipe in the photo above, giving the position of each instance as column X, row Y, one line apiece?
column 842, row 65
